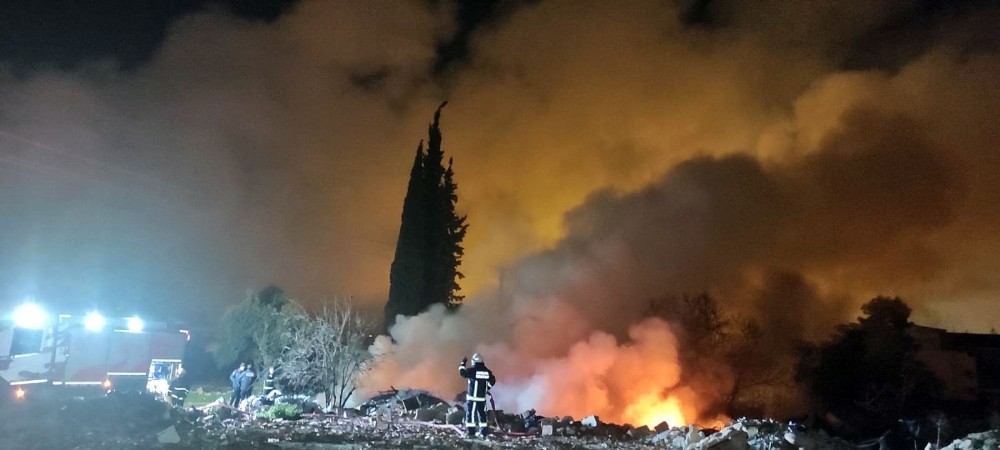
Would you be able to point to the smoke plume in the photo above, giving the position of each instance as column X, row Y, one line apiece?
column 792, row 160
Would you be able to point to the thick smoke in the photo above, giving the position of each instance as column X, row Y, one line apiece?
column 872, row 183
column 793, row 160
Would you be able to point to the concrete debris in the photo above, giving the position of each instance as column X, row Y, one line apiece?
column 640, row 433
column 744, row 434
column 976, row 441
column 140, row 422
column 727, row 439
column 437, row 413
column 168, row 436
column 306, row 403
column 403, row 404
column 455, row 416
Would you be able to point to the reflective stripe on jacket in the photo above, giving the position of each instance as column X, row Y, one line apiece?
column 480, row 379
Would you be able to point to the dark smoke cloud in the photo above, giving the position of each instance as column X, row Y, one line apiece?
column 871, row 183
column 605, row 154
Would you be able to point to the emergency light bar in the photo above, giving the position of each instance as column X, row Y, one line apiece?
column 134, row 324
column 94, row 321
column 30, row 316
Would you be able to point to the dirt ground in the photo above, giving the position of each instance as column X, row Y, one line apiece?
column 142, row 422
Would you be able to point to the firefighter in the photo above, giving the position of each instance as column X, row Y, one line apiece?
column 480, row 380
column 234, row 378
column 247, row 380
column 179, row 388
column 268, row 385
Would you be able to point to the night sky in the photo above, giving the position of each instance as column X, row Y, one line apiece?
column 792, row 158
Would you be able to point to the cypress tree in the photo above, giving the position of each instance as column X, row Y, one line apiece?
column 429, row 248
column 406, row 275
column 454, row 231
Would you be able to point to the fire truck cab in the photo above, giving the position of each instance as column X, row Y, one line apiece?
column 90, row 352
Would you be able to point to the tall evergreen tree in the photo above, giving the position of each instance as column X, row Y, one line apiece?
column 406, row 276
column 429, row 248
column 454, row 230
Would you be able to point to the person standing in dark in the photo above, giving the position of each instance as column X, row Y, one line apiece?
column 234, row 378
column 268, row 383
column 179, row 388
column 480, row 379
column 247, row 380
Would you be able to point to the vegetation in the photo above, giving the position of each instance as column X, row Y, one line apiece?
column 868, row 373
column 324, row 352
column 429, row 249
column 720, row 350
column 282, row 411
column 255, row 330
column 327, row 353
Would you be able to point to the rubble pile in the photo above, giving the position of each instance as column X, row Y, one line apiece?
column 108, row 422
column 976, row 441
column 398, row 419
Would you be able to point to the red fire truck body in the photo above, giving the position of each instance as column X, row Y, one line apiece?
column 111, row 357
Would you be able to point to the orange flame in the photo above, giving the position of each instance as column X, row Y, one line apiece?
column 651, row 410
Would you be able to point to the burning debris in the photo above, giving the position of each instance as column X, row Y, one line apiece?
column 399, row 418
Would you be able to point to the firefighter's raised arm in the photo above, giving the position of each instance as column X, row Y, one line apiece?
column 461, row 367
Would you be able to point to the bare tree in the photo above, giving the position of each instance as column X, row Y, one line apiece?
column 710, row 339
column 757, row 372
column 327, row 353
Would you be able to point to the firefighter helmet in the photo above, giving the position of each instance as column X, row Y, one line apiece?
column 477, row 358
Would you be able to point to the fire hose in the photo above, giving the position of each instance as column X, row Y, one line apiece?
column 496, row 421
column 493, row 406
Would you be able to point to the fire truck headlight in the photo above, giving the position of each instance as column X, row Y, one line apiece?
column 29, row 315
column 19, row 393
column 93, row 321
column 134, row 324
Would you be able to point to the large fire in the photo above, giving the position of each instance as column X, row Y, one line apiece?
column 651, row 410
column 634, row 380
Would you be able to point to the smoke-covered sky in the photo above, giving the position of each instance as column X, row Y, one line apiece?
column 792, row 158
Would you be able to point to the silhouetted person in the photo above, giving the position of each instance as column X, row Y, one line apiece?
column 247, row 380
column 234, row 378
column 179, row 388
column 269, row 385
column 480, row 380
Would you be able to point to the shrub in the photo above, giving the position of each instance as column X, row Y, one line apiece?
column 282, row 411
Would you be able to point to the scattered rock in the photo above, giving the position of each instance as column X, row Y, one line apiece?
column 135, row 422
column 168, row 436
column 976, row 441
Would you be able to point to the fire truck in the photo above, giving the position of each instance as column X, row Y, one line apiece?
column 87, row 353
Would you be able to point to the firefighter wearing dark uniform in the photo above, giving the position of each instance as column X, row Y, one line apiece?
column 268, row 385
column 480, row 380
column 247, row 380
column 179, row 388
column 234, row 378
